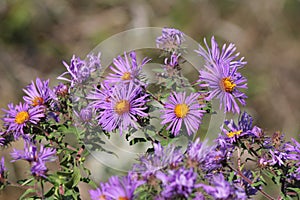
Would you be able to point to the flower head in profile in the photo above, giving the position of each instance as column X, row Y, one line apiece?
column 120, row 188
column 126, row 69
column 80, row 70
column 222, row 189
column 125, row 104
column 37, row 158
column 224, row 83
column 226, row 56
column 2, row 171
column 178, row 183
column 17, row 117
column 293, row 153
column 180, row 110
column 170, row 40
column 161, row 157
column 38, row 94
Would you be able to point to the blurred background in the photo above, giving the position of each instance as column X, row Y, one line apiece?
column 36, row 36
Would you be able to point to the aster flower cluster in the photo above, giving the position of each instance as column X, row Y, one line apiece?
column 61, row 125
column 212, row 171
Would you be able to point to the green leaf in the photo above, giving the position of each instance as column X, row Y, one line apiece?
column 27, row 192
column 76, row 176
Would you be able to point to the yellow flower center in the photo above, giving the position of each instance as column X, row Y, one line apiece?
column 227, row 84
column 126, row 76
column 102, row 197
column 37, row 101
column 123, row 198
column 233, row 133
column 22, row 117
column 181, row 110
column 122, row 107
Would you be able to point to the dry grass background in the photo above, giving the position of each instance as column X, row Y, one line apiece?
column 36, row 35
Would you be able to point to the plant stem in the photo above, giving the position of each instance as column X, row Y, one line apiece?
column 250, row 182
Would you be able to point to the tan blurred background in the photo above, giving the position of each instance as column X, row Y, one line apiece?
column 36, row 35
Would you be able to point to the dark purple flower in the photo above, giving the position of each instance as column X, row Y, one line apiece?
column 293, row 153
column 126, row 69
column 182, row 109
column 16, row 118
column 226, row 57
column 235, row 131
column 80, row 70
column 39, row 94
column 125, row 104
column 170, row 40
column 178, row 183
column 250, row 191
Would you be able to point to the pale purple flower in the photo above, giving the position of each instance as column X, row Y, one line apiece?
column 161, row 157
column 181, row 109
column 126, row 69
column 277, row 157
column 219, row 188
column 100, row 96
column 37, row 158
column 80, row 70
column 170, row 40
column 197, row 151
column 125, row 104
column 121, row 188
column 224, row 83
column 225, row 57
column 178, row 183
column 17, row 117
column 293, row 153
column 38, row 94
column 2, row 171
column 98, row 193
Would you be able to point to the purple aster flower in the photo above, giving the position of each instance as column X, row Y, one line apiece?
column 61, row 90
column 178, row 183
column 98, row 193
column 219, row 188
column 250, row 191
column 226, row 57
column 18, row 116
column 126, row 69
column 197, row 151
column 39, row 94
column 80, row 70
column 161, row 157
column 99, row 94
column 2, row 171
column 277, row 157
column 125, row 104
column 224, row 83
column 31, row 153
column 170, row 40
column 293, row 153
column 233, row 131
column 182, row 109
column 36, row 158
column 121, row 188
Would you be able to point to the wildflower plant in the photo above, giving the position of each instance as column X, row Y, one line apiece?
column 163, row 108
